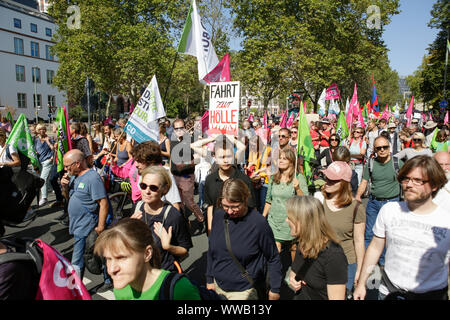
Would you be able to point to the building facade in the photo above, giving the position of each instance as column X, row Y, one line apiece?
column 27, row 67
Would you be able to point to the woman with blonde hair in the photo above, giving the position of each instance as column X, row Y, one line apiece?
column 418, row 149
column 319, row 271
column 282, row 186
column 97, row 137
column 133, row 262
column 169, row 227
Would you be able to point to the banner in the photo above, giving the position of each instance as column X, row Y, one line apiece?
column 63, row 138
column 224, row 101
column 341, row 128
column 375, row 107
column 305, row 146
column 334, row 107
column 143, row 123
column 20, row 138
column 196, row 41
column 333, row 92
column 221, row 72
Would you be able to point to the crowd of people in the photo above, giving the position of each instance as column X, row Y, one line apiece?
column 256, row 203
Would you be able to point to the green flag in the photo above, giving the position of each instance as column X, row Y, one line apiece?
column 10, row 119
column 342, row 129
column 305, row 146
column 62, row 138
column 20, row 138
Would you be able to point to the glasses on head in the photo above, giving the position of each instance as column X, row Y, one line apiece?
column 232, row 208
column 415, row 181
column 152, row 187
column 379, row 148
column 282, row 136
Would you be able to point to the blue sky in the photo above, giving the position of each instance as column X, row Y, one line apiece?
column 407, row 37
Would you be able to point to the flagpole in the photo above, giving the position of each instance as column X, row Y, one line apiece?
column 170, row 79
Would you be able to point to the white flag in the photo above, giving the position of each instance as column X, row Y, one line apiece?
column 347, row 106
column 143, row 123
column 196, row 41
column 321, row 102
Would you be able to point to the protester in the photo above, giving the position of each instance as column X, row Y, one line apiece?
column 43, row 145
column 313, row 130
column 442, row 198
column 133, row 262
column 97, row 137
column 429, row 128
column 169, row 227
column 164, row 143
column 88, row 203
column 418, row 149
column 284, row 136
column 441, row 143
column 343, row 154
column 10, row 157
column 406, row 139
column 381, row 172
column 251, row 243
column 283, row 185
column 5, row 125
column 319, row 270
column 415, row 234
column 108, row 144
column 372, row 133
column 357, row 147
column 81, row 143
column 324, row 134
column 326, row 156
column 346, row 216
column 85, row 133
column 124, row 147
column 294, row 138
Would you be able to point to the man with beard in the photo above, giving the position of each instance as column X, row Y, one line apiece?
column 416, row 235
column 443, row 196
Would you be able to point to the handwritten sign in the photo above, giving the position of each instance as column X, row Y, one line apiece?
column 224, row 104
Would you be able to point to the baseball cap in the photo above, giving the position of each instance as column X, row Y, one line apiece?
column 338, row 170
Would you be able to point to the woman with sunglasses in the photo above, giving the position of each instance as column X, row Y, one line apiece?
column 283, row 185
column 327, row 153
column 418, row 149
column 294, row 137
column 237, row 268
column 346, row 216
column 358, row 148
column 319, row 271
column 134, row 263
column 168, row 225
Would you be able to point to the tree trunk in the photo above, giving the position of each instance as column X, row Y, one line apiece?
column 108, row 105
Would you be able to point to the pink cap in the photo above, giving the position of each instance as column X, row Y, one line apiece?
column 338, row 170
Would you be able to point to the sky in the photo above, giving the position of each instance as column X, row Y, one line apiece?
column 407, row 36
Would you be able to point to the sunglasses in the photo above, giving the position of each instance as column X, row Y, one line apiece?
column 179, row 128
column 333, row 139
column 360, row 132
column 152, row 187
column 382, row 148
column 283, row 136
column 417, row 140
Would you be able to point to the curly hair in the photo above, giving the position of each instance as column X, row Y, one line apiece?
column 148, row 152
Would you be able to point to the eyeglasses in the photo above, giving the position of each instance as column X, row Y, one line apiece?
column 382, row 148
column 233, row 208
column 283, row 136
column 415, row 181
column 67, row 167
column 179, row 128
column 152, row 187
column 360, row 132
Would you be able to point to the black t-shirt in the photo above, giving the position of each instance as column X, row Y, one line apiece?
column 18, row 280
column 180, row 233
column 177, row 149
column 213, row 187
column 330, row 267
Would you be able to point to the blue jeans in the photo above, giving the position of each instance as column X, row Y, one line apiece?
column 372, row 209
column 46, row 168
column 201, row 188
column 77, row 255
column 351, row 273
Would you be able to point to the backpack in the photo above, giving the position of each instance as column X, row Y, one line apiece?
column 24, row 160
column 168, row 285
column 56, row 275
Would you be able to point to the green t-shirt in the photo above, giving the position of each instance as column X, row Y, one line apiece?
column 277, row 195
column 384, row 182
column 183, row 290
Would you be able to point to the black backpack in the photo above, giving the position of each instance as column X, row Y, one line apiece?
column 168, row 285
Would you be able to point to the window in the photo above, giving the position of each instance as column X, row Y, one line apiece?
column 18, row 46
column 36, row 74
column 21, row 100
column 33, row 27
column 17, row 23
column 50, row 75
column 48, row 32
column 48, row 53
column 51, row 101
column 20, row 73
column 38, row 102
column 34, row 49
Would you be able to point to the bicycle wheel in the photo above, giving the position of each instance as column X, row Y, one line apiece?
column 121, row 205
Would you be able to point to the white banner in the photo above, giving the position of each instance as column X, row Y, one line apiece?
column 224, row 102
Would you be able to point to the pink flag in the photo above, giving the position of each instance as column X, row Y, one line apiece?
column 290, row 120
column 69, row 140
column 446, row 118
column 353, row 108
column 361, row 123
column 131, row 109
column 332, row 92
column 205, row 121
column 424, row 118
column 108, row 120
column 304, row 106
column 265, row 120
column 283, row 120
column 59, row 281
column 431, row 118
column 221, row 73
column 409, row 112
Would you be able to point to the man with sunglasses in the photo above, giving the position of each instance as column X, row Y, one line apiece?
column 415, row 234
column 284, row 136
column 384, row 188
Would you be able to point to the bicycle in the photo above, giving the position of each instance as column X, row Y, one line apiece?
column 121, row 202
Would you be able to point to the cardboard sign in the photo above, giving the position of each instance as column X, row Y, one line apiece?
column 224, row 101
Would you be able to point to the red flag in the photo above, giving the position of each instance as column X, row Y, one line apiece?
column 221, row 73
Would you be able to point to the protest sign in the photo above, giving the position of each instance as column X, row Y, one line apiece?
column 224, row 104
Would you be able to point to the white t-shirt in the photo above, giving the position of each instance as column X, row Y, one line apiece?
column 417, row 247
column 4, row 157
column 442, row 198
